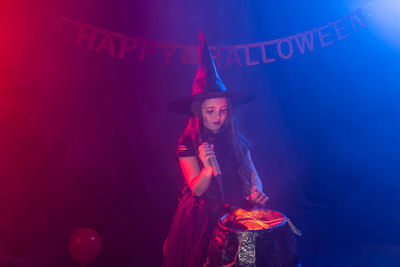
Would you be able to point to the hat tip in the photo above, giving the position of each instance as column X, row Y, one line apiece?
column 201, row 35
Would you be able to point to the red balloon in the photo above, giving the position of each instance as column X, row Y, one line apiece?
column 84, row 245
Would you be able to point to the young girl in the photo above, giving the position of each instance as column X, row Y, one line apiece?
column 210, row 136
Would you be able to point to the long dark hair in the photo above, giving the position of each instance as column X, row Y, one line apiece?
column 195, row 129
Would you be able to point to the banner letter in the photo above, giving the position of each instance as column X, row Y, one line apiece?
column 190, row 55
column 322, row 36
column 144, row 50
column 359, row 20
column 132, row 45
column 339, row 29
column 168, row 50
column 230, row 59
column 107, row 43
column 247, row 55
column 264, row 55
column 306, row 38
column 90, row 36
column 279, row 47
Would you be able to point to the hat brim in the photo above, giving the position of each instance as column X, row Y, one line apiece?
column 182, row 105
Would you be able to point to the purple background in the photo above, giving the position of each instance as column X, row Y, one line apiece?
column 85, row 140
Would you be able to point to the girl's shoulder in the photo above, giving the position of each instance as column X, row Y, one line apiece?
column 185, row 147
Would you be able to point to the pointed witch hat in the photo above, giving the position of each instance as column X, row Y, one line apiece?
column 207, row 84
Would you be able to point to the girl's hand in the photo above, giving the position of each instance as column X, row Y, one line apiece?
column 257, row 197
column 206, row 152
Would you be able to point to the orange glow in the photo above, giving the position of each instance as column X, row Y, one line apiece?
column 257, row 219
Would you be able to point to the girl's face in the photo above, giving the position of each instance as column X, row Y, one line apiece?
column 214, row 112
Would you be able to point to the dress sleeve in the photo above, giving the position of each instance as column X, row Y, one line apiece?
column 185, row 148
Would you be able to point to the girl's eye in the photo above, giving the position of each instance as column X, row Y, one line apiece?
column 210, row 112
column 224, row 110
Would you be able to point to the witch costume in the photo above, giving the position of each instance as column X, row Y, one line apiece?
column 196, row 216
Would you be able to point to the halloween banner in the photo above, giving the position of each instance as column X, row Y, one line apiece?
column 126, row 47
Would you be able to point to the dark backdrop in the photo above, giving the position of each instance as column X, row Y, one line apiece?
column 85, row 140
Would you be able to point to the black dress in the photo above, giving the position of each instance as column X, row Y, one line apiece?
column 196, row 217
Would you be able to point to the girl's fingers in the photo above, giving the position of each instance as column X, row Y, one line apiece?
column 206, row 150
column 264, row 201
column 204, row 145
column 256, row 193
column 209, row 154
column 252, row 196
column 258, row 197
column 253, row 190
column 208, row 157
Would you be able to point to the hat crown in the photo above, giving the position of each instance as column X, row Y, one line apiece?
column 207, row 79
column 207, row 84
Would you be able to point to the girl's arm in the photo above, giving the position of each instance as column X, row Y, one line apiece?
column 255, row 179
column 198, row 180
column 257, row 196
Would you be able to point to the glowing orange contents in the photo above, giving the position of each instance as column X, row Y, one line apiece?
column 257, row 219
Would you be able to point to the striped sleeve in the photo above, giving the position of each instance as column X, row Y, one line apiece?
column 185, row 148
